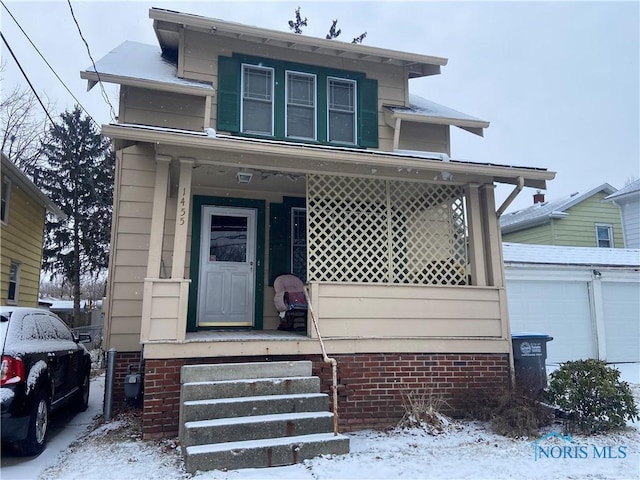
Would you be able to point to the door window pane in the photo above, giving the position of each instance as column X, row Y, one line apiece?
column 301, row 112
column 342, row 110
column 257, row 100
column 228, row 239
column 14, row 275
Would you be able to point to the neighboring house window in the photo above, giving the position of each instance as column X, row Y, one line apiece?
column 6, row 189
column 286, row 100
column 301, row 105
column 14, row 277
column 604, row 236
column 299, row 243
column 257, row 100
column 341, row 104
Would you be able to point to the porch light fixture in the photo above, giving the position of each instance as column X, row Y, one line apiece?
column 244, row 177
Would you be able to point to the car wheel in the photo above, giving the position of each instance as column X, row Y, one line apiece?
column 80, row 401
column 38, row 426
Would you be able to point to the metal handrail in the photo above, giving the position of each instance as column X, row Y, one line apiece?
column 327, row 359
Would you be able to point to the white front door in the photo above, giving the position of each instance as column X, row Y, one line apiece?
column 227, row 262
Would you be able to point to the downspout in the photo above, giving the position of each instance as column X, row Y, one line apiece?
column 512, row 196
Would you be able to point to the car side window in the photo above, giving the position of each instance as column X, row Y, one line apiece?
column 47, row 331
column 29, row 330
column 62, row 331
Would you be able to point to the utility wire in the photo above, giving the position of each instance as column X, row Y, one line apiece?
column 104, row 93
column 47, row 63
column 26, row 78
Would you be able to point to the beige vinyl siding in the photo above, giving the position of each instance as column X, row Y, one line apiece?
column 22, row 239
column 200, row 63
column 131, row 247
column 162, row 109
column 424, row 137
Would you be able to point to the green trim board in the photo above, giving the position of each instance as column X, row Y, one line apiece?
column 280, row 235
column 196, row 229
column 229, row 99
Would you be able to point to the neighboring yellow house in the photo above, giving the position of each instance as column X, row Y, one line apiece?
column 244, row 153
column 24, row 208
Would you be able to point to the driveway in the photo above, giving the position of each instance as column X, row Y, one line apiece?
column 65, row 428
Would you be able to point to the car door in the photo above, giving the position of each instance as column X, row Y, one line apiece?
column 73, row 353
column 57, row 356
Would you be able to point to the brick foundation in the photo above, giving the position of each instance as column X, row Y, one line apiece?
column 369, row 385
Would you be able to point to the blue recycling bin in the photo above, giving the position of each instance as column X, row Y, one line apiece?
column 529, row 358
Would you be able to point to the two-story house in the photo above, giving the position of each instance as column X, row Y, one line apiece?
column 245, row 153
column 24, row 208
column 578, row 220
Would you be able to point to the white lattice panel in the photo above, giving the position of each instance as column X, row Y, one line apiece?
column 368, row 230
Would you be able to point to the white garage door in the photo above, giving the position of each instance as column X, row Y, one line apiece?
column 558, row 309
column 621, row 305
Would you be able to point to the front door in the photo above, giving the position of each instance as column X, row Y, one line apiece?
column 227, row 267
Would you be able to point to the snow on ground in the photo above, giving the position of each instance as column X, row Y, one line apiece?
column 468, row 450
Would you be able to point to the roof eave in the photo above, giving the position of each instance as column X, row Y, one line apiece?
column 417, row 65
column 93, row 78
column 536, row 178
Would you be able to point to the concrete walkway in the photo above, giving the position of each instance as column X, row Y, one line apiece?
column 65, row 428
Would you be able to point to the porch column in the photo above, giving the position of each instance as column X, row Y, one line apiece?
column 157, row 216
column 182, row 218
column 476, row 237
column 492, row 237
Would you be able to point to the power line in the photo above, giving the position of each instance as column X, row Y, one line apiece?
column 47, row 63
column 26, row 78
column 104, row 93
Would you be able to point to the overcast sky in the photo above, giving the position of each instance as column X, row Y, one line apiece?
column 559, row 81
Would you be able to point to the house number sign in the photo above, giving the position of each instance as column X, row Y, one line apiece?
column 183, row 210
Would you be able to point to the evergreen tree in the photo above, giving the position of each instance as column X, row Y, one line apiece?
column 79, row 179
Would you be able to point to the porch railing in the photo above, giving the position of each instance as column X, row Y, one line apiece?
column 327, row 359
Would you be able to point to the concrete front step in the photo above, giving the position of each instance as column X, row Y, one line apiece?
column 211, row 409
column 233, row 371
column 248, row 388
column 255, row 428
column 263, row 453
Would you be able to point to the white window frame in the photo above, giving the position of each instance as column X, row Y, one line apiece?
column 242, row 98
column 14, row 278
column 6, row 195
column 315, row 104
column 609, row 228
column 355, row 110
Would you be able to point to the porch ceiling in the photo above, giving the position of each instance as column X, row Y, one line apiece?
column 277, row 162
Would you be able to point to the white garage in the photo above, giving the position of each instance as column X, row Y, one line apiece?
column 587, row 299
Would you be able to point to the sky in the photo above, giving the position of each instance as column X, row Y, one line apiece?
column 558, row 81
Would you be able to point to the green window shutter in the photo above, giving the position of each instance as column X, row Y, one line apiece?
column 228, row 94
column 279, row 240
column 368, row 113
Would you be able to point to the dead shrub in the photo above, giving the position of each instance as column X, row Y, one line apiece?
column 423, row 410
column 509, row 411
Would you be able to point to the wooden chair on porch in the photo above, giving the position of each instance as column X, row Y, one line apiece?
column 291, row 302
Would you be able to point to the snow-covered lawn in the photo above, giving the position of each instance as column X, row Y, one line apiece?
column 466, row 450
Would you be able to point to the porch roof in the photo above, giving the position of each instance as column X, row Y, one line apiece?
column 305, row 158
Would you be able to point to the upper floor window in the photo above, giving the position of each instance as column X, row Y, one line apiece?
column 342, row 110
column 301, row 105
column 257, row 100
column 604, row 235
column 286, row 100
column 6, row 188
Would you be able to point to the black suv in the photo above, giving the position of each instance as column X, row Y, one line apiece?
column 44, row 366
